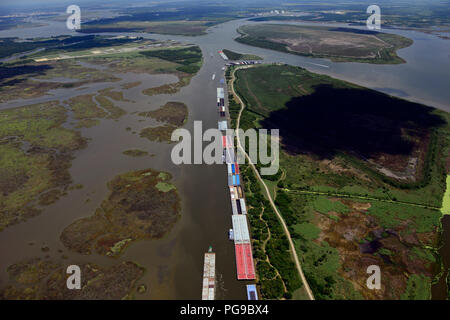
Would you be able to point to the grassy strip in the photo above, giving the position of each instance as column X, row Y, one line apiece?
column 135, row 153
column 239, row 56
column 446, row 200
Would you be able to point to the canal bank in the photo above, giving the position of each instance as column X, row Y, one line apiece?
column 440, row 290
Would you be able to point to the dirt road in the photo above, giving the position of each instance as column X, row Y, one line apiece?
column 280, row 218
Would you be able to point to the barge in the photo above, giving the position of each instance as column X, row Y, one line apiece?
column 244, row 261
column 209, row 275
column 251, row 292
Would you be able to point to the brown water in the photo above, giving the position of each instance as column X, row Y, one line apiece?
column 174, row 264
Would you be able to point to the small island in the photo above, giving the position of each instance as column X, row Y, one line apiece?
column 173, row 114
column 142, row 204
column 135, row 153
column 45, row 279
column 335, row 43
column 240, row 56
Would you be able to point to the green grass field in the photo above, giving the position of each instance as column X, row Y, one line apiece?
column 446, row 199
column 337, row 44
column 240, row 56
column 35, row 155
column 183, row 28
column 345, row 227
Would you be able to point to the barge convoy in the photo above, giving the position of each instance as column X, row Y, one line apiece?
column 239, row 234
column 209, row 275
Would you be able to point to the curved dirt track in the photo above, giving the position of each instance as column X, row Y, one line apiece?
column 280, row 218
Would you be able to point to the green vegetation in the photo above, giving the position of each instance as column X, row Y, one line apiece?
column 168, row 18
column 446, row 199
column 329, row 199
column 86, row 110
column 186, row 61
column 135, row 153
column 306, row 230
column 422, row 253
column 418, row 288
column 343, row 173
column 391, row 215
column 141, row 205
column 183, row 28
column 31, row 78
column 37, row 279
column 324, row 205
column 189, row 58
column 448, row 283
column 114, row 95
column 354, row 44
column 277, row 274
column 158, row 134
column 385, row 252
column 22, row 80
column 173, row 114
column 165, row 187
column 321, row 265
column 131, row 85
column 35, row 155
column 88, row 113
column 114, row 111
column 239, row 56
column 10, row 46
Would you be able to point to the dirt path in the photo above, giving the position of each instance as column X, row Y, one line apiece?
column 253, row 95
column 350, row 196
column 280, row 218
column 277, row 273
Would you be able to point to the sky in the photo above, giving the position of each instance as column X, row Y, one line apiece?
column 15, row 6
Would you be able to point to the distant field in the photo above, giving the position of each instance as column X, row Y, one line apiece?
column 7, row 23
column 343, row 210
column 424, row 15
column 184, row 28
column 36, row 174
column 337, row 44
column 190, row 58
column 19, row 78
column 239, row 56
column 66, row 44
column 168, row 18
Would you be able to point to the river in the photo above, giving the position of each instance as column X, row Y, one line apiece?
column 175, row 263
